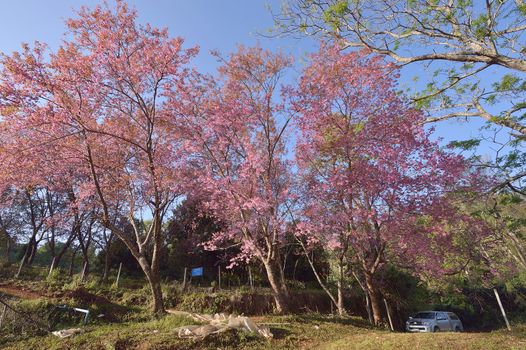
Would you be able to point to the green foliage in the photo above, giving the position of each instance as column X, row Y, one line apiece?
column 513, row 159
column 339, row 8
column 334, row 13
column 405, row 290
column 204, row 302
column 464, row 3
column 508, row 82
column 479, row 26
column 58, row 279
column 133, row 297
column 132, row 326
column 465, row 145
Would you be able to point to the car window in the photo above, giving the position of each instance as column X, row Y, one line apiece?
column 425, row 315
column 441, row 316
column 453, row 316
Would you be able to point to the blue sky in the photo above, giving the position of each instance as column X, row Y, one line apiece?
column 211, row 24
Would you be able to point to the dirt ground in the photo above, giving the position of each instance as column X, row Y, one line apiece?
column 19, row 292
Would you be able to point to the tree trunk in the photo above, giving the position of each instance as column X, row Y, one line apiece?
column 72, row 262
column 151, row 270
column 277, row 289
column 25, row 258
column 32, row 253
column 84, row 244
column 106, row 265
column 323, row 285
column 58, row 257
column 374, row 296
column 155, row 286
column 368, row 308
column 339, row 284
column 283, row 282
column 367, row 299
column 8, row 250
column 3, row 233
column 295, row 267
column 107, row 256
column 339, row 305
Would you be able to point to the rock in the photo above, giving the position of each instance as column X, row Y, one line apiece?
column 64, row 333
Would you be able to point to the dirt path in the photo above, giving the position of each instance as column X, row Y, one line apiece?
column 19, row 292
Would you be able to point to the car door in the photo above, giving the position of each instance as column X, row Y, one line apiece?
column 443, row 321
column 455, row 321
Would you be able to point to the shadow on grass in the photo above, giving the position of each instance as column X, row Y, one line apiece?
column 280, row 332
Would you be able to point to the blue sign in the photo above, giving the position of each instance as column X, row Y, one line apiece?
column 198, row 271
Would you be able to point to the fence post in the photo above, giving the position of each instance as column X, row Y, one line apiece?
column 219, row 276
column 184, row 279
column 388, row 315
column 83, row 274
column 22, row 262
column 52, row 267
column 118, row 275
column 502, row 309
column 250, row 280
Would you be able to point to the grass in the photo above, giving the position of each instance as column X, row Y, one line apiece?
column 312, row 331
column 127, row 324
column 497, row 340
column 110, row 336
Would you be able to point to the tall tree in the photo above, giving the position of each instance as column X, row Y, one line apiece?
column 96, row 107
column 473, row 53
column 375, row 182
column 237, row 132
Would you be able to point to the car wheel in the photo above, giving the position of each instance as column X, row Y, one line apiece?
column 436, row 329
column 457, row 329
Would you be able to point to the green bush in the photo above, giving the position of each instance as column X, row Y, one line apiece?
column 202, row 302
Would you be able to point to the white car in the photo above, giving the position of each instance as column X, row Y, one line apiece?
column 434, row 321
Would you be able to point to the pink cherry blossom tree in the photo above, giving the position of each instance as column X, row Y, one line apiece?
column 237, row 128
column 96, row 109
column 371, row 171
column 40, row 188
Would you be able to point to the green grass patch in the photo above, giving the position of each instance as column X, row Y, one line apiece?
column 309, row 331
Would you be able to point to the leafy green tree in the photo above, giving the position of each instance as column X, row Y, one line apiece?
column 474, row 51
column 187, row 231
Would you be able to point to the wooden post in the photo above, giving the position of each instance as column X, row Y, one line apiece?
column 184, row 279
column 502, row 309
column 219, row 276
column 83, row 274
column 118, row 275
column 52, row 267
column 388, row 315
column 250, row 280
column 22, row 262
column 2, row 317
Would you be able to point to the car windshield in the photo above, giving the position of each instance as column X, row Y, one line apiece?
column 426, row 315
